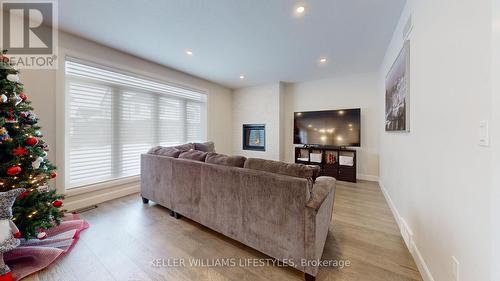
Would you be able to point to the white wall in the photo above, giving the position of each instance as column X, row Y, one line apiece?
column 495, row 140
column 356, row 91
column 40, row 87
column 437, row 177
column 274, row 105
column 46, row 90
column 258, row 105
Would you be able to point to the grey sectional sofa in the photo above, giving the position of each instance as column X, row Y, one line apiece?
column 279, row 209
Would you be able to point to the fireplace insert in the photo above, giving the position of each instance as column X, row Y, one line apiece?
column 254, row 137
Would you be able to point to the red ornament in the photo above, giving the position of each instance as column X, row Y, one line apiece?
column 23, row 195
column 57, row 203
column 23, row 96
column 31, row 141
column 19, row 151
column 14, row 170
column 53, row 175
column 17, row 235
column 4, row 59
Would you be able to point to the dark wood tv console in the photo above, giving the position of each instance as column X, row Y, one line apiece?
column 327, row 158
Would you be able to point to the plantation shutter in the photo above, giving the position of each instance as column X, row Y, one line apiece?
column 115, row 117
column 91, row 133
column 194, row 114
column 172, row 116
column 137, row 129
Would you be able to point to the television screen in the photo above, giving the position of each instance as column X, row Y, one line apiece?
column 329, row 128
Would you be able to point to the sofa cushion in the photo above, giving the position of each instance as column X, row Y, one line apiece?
column 194, row 155
column 208, row 146
column 154, row 150
column 185, row 147
column 165, row 151
column 221, row 159
column 282, row 168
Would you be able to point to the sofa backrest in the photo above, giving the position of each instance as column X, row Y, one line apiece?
column 225, row 160
column 258, row 208
column 206, row 152
column 282, row 168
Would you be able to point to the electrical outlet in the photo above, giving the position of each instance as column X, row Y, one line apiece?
column 484, row 133
column 456, row 268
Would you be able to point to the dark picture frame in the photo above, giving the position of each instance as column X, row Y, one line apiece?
column 397, row 93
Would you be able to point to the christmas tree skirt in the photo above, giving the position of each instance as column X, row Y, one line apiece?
column 34, row 255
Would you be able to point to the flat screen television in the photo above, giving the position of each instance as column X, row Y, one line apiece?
column 328, row 128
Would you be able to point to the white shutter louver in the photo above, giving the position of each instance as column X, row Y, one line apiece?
column 115, row 117
column 193, row 120
column 137, row 126
column 91, row 131
column 171, row 121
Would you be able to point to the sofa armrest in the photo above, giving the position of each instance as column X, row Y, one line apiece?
column 321, row 188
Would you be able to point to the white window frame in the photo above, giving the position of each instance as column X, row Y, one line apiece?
column 62, row 110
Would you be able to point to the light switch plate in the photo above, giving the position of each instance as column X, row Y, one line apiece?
column 484, row 133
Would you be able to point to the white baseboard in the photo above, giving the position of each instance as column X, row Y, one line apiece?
column 407, row 234
column 72, row 203
column 367, row 177
column 395, row 211
column 422, row 266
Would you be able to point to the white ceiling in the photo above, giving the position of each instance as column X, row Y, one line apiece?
column 261, row 39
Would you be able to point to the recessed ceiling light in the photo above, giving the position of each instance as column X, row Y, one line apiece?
column 189, row 52
column 323, row 60
column 300, row 9
column 242, row 76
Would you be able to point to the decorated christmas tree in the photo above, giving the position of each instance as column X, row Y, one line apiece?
column 23, row 162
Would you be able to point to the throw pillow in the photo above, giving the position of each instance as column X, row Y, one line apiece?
column 185, row 147
column 221, row 159
column 208, row 146
column 169, row 152
column 194, row 155
column 155, row 149
column 165, row 151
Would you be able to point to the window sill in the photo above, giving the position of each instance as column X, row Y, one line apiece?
column 100, row 186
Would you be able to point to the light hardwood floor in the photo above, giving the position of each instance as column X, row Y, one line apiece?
column 126, row 236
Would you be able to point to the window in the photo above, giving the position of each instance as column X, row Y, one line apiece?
column 114, row 117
